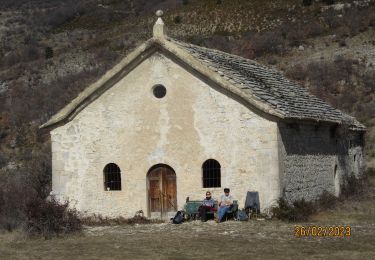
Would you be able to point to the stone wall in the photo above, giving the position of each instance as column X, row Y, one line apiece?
column 315, row 158
column 194, row 122
column 356, row 158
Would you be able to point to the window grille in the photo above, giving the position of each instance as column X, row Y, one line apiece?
column 112, row 177
column 211, row 174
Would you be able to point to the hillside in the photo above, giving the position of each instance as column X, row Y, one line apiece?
column 51, row 50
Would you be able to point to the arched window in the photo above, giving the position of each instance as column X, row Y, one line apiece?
column 211, row 174
column 112, row 177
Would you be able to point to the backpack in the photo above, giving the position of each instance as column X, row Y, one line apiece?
column 241, row 215
column 178, row 218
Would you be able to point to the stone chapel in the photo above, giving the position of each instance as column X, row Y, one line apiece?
column 173, row 120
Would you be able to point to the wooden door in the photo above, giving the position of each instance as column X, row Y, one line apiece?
column 154, row 194
column 162, row 189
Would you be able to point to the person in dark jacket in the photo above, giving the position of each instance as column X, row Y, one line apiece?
column 208, row 205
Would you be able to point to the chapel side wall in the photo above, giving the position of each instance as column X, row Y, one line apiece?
column 356, row 159
column 194, row 122
column 316, row 158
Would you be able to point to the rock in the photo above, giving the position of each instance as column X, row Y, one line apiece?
column 13, row 143
column 301, row 48
column 11, row 166
column 3, row 87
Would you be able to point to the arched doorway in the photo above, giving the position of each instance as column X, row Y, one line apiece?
column 162, row 191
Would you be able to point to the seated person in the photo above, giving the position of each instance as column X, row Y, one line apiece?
column 208, row 205
column 225, row 203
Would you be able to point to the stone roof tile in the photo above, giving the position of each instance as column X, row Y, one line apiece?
column 270, row 86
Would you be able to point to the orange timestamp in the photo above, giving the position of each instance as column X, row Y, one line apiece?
column 322, row 231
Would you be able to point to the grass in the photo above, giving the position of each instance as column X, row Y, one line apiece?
column 195, row 240
column 255, row 239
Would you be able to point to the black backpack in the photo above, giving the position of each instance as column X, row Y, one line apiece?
column 178, row 218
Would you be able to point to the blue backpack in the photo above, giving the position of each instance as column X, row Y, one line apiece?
column 241, row 215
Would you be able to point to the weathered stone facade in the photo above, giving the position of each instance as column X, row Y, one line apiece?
column 194, row 122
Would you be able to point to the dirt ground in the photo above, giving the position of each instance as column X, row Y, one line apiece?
column 255, row 239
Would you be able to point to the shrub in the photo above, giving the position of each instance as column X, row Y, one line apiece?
column 369, row 80
column 327, row 201
column 297, row 72
column 21, row 186
column 48, row 218
column 313, row 29
column 3, row 159
column 306, row 2
column 13, row 195
column 177, row 19
column 328, row 2
column 342, row 43
column 330, row 18
column 98, row 220
column 296, row 36
column 268, row 42
column 30, row 53
column 299, row 211
column 354, row 187
column 48, row 52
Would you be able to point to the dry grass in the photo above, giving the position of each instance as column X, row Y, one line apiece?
column 256, row 239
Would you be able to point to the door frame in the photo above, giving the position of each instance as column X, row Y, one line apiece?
column 148, row 178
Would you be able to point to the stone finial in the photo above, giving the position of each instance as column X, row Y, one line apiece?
column 158, row 29
column 159, row 13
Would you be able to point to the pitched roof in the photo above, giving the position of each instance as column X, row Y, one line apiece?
column 263, row 88
column 270, row 86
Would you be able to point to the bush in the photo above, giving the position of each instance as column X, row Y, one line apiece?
column 268, row 42
column 177, row 19
column 327, row 201
column 48, row 52
column 328, row 2
column 369, row 80
column 13, row 195
column 98, row 220
column 299, row 211
column 22, row 186
column 48, row 218
column 354, row 187
column 306, row 2
column 296, row 36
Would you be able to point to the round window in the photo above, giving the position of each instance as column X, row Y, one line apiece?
column 159, row 91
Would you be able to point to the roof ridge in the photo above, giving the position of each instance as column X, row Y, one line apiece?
column 264, row 89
